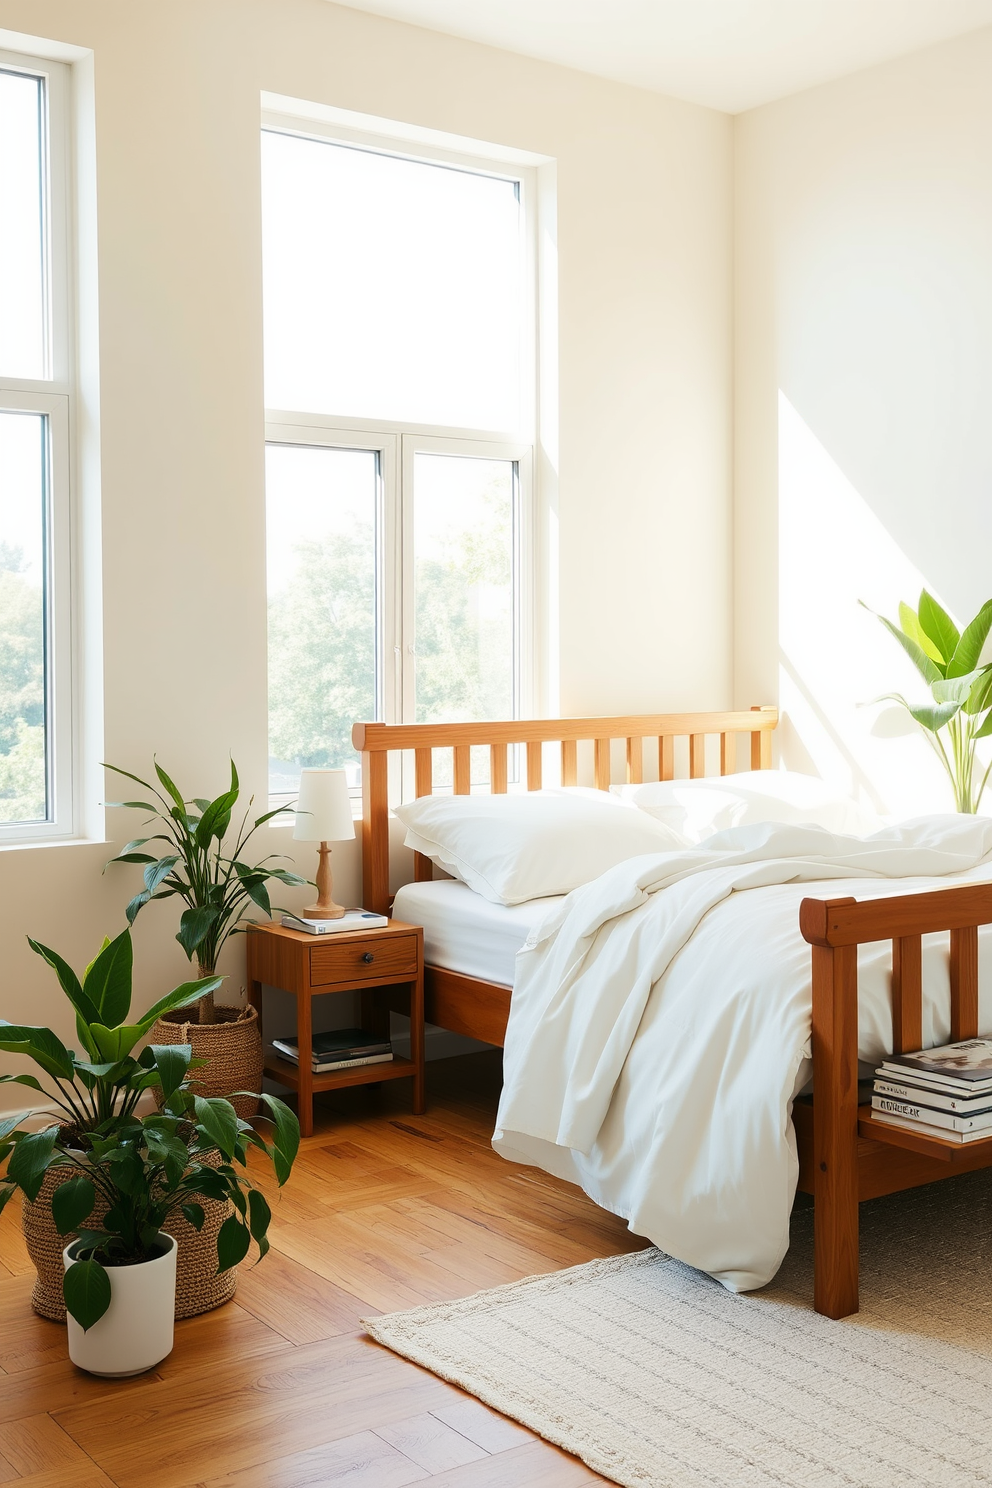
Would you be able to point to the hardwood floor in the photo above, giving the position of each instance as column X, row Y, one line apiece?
column 281, row 1388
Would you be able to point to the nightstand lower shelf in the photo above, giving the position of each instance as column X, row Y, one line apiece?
column 288, row 1073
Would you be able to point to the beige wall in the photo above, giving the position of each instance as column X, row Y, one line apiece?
column 863, row 383
column 644, row 490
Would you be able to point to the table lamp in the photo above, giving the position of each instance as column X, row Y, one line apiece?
column 323, row 814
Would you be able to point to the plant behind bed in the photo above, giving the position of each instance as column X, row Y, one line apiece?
column 961, row 712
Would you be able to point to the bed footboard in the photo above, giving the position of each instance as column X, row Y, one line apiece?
column 846, row 1156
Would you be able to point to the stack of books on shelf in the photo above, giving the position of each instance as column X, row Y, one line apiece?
column 944, row 1092
column 342, row 1048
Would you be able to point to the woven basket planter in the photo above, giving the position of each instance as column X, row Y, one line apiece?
column 232, row 1048
column 198, row 1287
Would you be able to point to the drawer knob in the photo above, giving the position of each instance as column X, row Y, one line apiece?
column 368, row 958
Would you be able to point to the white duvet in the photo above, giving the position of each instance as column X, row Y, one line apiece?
column 660, row 1026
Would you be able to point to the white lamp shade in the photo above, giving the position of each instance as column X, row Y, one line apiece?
column 323, row 807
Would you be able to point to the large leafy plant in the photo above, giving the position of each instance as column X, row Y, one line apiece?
column 143, row 1169
column 212, row 879
column 960, row 712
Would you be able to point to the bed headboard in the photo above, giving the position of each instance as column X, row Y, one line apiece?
column 376, row 741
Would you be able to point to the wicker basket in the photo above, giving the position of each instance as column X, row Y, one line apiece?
column 232, row 1048
column 198, row 1287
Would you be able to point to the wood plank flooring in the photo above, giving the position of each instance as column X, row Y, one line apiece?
column 281, row 1388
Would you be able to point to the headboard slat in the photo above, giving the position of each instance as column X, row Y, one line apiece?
column 635, row 760
column 497, row 769
column 535, row 764
column 569, row 762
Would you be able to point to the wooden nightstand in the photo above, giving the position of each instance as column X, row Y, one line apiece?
column 356, row 961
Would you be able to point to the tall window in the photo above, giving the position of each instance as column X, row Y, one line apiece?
column 399, row 383
column 35, row 680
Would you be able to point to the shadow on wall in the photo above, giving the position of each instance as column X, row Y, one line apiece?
column 836, row 660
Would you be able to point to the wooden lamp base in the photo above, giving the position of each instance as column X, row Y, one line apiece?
column 325, row 908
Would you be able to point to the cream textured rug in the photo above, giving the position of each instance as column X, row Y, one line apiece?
column 658, row 1378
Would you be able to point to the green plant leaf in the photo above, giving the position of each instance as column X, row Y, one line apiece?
column 30, row 1160
column 259, row 1214
column 980, row 696
column 72, row 1202
column 929, row 670
column 936, row 623
column 986, row 728
column 968, row 651
column 68, row 981
column 135, row 904
column 86, row 1289
column 39, row 1044
column 172, row 1063
column 20, row 1080
column 108, row 981
column 217, row 817
column 194, row 927
column 219, row 1121
column 254, row 886
column 157, row 871
column 955, row 689
column 934, row 718
column 7, row 1192
column 910, row 622
column 179, row 997
column 233, row 1242
column 285, row 1135
column 170, row 787
column 194, row 1214
column 134, row 857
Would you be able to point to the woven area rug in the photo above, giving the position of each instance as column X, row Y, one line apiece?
column 658, row 1378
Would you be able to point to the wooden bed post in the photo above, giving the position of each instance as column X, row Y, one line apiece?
column 375, row 831
column 835, row 1117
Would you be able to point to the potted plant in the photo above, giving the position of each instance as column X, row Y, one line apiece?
column 217, row 888
column 97, row 1090
column 960, row 712
column 128, row 1176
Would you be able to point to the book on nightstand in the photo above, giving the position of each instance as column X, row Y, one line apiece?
column 341, row 1048
column 944, row 1092
column 352, row 919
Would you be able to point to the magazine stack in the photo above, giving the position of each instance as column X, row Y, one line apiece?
column 944, row 1092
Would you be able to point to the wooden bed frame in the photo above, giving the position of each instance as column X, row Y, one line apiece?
column 845, row 1155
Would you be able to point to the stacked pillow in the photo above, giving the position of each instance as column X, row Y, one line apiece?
column 695, row 809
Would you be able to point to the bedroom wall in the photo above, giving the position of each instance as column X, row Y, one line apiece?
column 172, row 497
column 863, row 381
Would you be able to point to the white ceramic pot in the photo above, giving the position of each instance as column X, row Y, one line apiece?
column 136, row 1331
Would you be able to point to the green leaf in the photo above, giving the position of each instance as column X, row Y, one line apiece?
column 172, row 1063
column 30, row 1159
column 276, row 811
column 194, row 1214
column 68, row 981
column 134, row 857
column 217, row 817
column 170, row 787
column 179, row 997
column 980, row 695
column 219, row 1121
column 194, row 927
column 108, row 981
column 8, row 1123
column 910, row 622
column 254, row 886
column 285, row 1136
column 6, row 1194
column 133, row 805
column 985, row 729
column 928, row 669
column 259, row 1214
column 208, row 1181
column 934, row 718
column 157, row 871
column 936, row 623
column 115, row 1043
column 955, row 689
column 969, row 649
column 72, row 1202
column 135, row 904
column 86, row 1289
column 39, row 1044
column 233, row 1242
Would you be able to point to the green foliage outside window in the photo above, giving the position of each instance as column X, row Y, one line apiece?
column 22, row 693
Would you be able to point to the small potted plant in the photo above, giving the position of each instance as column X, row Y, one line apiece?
column 97, row 1091
column 217, row 888
column 128, row 1177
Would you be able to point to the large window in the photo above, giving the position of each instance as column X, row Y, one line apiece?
column 35, row 679
column 399, row 383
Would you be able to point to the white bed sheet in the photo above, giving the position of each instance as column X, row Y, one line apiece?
column 464, row 932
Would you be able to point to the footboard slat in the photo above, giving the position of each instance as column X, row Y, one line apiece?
column 964, row 983
column 907, row 993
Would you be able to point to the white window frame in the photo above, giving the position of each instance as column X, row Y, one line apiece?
column 53, row 397
column 398, row 443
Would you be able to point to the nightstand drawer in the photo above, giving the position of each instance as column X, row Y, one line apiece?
column 375, row 957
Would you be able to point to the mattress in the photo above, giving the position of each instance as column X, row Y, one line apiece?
column 466, row 933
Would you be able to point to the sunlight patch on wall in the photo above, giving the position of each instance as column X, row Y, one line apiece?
column 835, row 658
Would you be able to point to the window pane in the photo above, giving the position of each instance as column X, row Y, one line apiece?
column 22, row 255
column 463, row 558
column 23, row 774
column 392, row 288
column 321, row 538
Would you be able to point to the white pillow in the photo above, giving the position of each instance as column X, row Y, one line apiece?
column 511, row 848
column 698, row 808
